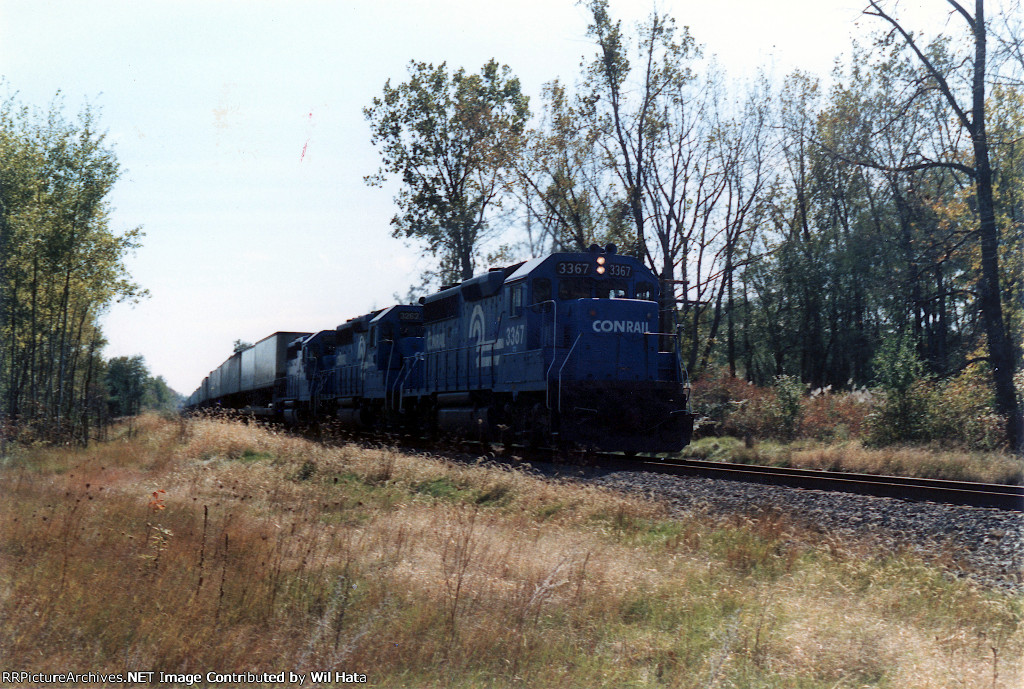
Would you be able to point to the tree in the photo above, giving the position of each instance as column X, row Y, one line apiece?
column 565, row 184
column 61, row 265
column 452, row 139
column 656, row 140
column 158, row 395
column 961, row 86
column 126, row 381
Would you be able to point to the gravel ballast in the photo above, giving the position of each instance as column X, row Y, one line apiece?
column 983, row 544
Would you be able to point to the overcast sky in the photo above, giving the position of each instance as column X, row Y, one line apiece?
column 240, row 129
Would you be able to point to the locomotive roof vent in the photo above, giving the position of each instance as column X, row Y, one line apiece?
column 611, row 249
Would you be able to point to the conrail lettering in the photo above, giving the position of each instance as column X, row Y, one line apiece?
column 619, row 327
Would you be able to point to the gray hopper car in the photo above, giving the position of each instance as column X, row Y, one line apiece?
column 247, row 379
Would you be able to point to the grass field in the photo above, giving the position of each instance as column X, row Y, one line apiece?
column 204, row 545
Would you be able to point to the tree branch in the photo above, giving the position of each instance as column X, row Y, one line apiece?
column 939, row 79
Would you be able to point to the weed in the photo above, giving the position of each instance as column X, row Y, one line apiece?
column 853, row 456
column 306, row 471
column 441, row 487
column 449, row 575
column 251, row 455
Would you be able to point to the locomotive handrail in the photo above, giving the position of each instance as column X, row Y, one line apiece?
column 408, row 365
column 554, row 345
column 497, row 334
column 315, row 389
column 350, row 385
column 560, row 368
column 677, row 336
column 387, row 373
column 459, row 377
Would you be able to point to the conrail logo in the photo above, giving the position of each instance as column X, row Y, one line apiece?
column 619, row 327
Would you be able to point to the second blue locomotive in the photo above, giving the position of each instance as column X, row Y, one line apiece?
column 562, row 349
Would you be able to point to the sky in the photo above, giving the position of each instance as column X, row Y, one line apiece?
column 240, row 131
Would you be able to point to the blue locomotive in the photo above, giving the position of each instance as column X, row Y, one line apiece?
column 561, row 349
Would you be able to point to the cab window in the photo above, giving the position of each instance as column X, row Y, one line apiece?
column 541, row 290
column 516, row 300
column 611, row 289
column 646, row 291
column 410, row 329
column 575, row 288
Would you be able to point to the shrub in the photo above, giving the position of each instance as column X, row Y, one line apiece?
column 731, row 406
column 828, row 415
column 902, row 415
column 785, row 414
column 958, row 411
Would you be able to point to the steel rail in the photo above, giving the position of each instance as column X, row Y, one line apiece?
column 996, row 495
column 967, row 493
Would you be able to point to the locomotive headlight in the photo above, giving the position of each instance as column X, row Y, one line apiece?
column 600, row 270
column 600, row 260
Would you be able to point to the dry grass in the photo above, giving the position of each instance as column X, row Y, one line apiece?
column 218, row 546
column 920, row 462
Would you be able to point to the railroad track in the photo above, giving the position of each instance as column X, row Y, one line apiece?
column 968, row 493
column 995, row 495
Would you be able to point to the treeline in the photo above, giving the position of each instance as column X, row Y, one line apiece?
column 799, row 229
column 132, row 389
column 61, row 266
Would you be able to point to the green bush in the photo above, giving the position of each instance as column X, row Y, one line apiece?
column 957, row 411
column 902, row 415
column 786, row 412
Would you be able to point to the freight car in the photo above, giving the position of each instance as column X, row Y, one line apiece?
column 561, row 349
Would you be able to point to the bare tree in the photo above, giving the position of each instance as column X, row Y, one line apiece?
column 631, row 124
column 967, row 107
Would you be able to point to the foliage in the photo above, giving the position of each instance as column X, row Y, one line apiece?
column 132, row 388
column 948, row 81
column 126, row 380
column 564, row 184
column 61, row 265
column 958, row 411
column 158, row 395
column 829, row 415
column 451, row 139
column 785, row 414
column 897, row 366
column 729, row 406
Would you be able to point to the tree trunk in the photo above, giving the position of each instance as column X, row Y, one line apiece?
column 1000, row 349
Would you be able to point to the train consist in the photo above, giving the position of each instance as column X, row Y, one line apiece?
column 558, row 350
